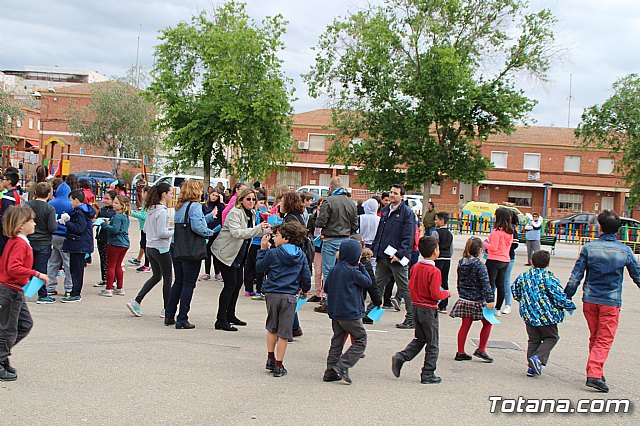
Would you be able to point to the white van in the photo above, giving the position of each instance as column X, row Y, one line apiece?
column 176, row 180
column 322, row 191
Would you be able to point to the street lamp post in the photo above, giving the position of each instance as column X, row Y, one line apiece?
column 547, row 185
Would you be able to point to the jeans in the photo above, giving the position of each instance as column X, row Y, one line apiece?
column 161, row 268
column 15, row 320
column 507, row 282
column 427, row 335
column 186, row 275
column 329, row 249
column 41, row 255
column 385, row 270
column 232, row 278
column 76, row 264
column 59, row 259
column 497, row 271
column 359, row 343
column 541, row 341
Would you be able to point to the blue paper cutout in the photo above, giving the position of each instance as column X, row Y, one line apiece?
column 490, row 315
column 32, row 287
column 301, row 302
column 375, row 314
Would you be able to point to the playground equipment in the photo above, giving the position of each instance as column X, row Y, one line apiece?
column 48, row 150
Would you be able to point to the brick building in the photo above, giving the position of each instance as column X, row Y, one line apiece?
column 523, row 162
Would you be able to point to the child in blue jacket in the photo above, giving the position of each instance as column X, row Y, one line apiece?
column 542, row 304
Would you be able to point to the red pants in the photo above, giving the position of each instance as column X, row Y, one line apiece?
column 603, row 323
column 115, row 256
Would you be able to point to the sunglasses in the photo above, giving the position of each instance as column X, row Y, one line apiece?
column 250, row 199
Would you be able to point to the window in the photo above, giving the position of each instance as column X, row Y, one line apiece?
column 31, row 122
column 317, row 143
column 484, row 195
column 572, row 163
column 605, row 166
column 38, row 124
column 345, row 180
column 531, row 162
column 570, row 201
column 325, row 179
column 18, row 122
column 435, row 189
column 290, row 178
column 499, row 159
column 520, row 198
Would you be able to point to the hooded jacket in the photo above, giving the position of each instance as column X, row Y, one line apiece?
column 473, row 281
column 369, row 221
column 498, row 245
column 62, row 205
column 345, row 283
column 80, row 230
column 287, row 269
column 156, row 227
column 118, row 230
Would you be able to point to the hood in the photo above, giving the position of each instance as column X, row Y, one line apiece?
column 63, row 191
column 289, row 254
column 370, row 206
column 350, row 252
column 87, row 210
column 155, row 210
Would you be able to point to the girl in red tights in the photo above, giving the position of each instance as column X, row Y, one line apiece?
column 474, row 290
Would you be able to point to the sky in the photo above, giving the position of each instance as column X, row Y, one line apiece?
column 598, row 40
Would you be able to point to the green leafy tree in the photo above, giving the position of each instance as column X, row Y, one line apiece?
column 9, row 114
column 416, row 85
column 117, row 120
column 224, row 99
column 615, row 126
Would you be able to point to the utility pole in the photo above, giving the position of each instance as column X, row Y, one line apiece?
column 570, row 97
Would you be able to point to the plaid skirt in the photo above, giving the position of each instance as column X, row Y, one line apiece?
column 467, row 309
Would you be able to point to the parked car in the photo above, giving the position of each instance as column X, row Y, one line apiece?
column 96, row 176
column 580, row 221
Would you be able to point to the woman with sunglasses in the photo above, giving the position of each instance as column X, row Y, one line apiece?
column 231, row 248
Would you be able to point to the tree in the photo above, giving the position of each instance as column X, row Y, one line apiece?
column 222, row 92
column 117, row 120
column 615, row 125
column 9, row 114
column 416, row 85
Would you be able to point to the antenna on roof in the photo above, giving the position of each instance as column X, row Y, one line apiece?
column 570, row 97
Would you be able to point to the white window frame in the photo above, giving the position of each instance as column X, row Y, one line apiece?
column 531, row 155
column 569, row 201
column 313, row 145
column 501, row 154
column 570, row 167
column 38, row 124
column 606, row 166
column 435, row 189
column 519, row 198
column 31, row 122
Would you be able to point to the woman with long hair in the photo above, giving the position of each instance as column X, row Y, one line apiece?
column 158, row 233
column 214, row 206
column 231, row 248
column 237, row 189
column 498, row 245
column 186, row 271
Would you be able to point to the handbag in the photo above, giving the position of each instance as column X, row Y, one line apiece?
column 187, row 245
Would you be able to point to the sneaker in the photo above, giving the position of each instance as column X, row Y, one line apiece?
column 118, row 291
column 7, row 376
column 279, row 371
column 343, row 373
column 530, row 372
column 598, row 384
column 143, row 269
column 134, row 307
column 506, row 310
column 536, row 365
column 204, row 277
column 442, row 311
column 106, row 293
column 314, row 299
column 162, row 315
column 100, row 284
column 134, row 262
column 395, row 303
column 248, row 294
column 258, row 296
column 218, row 277
column 387, row 307
column 406, row 325
column 271, row 364
column 71, row 299
column 322, row 309
column 430, row 380
column 497, row 313
column 45, row 300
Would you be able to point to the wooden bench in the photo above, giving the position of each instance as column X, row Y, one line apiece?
column 545, row 240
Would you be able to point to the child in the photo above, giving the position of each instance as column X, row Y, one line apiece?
column 79, row 241
column 374, row 294
column 474, row 290
column 287, row 274
column 117, row 245
column 445, row 244
column 251, row 276
column 10, row 198
column 41, row 239
column 498, row 245
column 424, row 291
column 141, row 216
column 59, row 259
column 15, row 273
column 106, row 212
column 542, row 304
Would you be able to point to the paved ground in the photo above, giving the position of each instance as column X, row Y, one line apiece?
column 93, row 363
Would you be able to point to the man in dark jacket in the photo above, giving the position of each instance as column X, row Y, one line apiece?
column 345, row 304
column 392, row 248
column 79, row 241
column 338, row 219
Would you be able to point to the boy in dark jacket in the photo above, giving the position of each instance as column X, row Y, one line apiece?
column 287, row 274
column 59, row 259
column 79, row 241
column 345, row 305
column 445, row 245
column 41, row 239
column 425, row 291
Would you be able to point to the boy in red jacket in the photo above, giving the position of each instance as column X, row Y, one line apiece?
column 425, row 292
column 15, row 272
